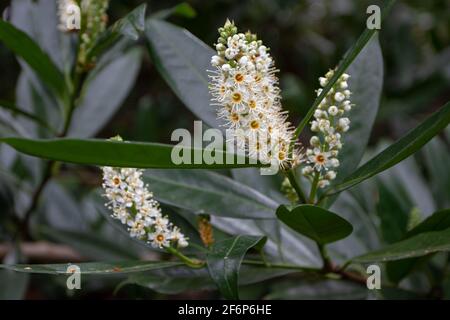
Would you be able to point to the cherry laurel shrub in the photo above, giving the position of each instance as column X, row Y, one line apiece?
column 228, row 228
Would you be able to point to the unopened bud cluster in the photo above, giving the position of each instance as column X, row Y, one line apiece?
column 328, row 126
column 92, row 22
column 245, row 88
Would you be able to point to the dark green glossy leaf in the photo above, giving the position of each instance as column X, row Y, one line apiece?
column 182, row 279
column 440, row 220
column 204, row 192
column 416, row 246
column 111, row 153
column 316, row 223
column 23, row 46
column 393, row 210
column 20, row 112
column 400, row 150
column 225, row 259
column 183, row 61
column 437, row 159
column 98, row 268
column 104, row 94
column 13, row 285
column 90, row 245
column 131, row 26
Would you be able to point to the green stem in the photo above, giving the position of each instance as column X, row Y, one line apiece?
column 312, row 194
column 327, row 265
column 264, row 258
column 291, row 176
column 190, row 262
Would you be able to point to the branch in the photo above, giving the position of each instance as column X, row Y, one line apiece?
column 43, row 251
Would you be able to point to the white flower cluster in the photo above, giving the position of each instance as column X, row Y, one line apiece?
column 328, row 125
column 245, row 88
column 69, row 14
column 133, row 204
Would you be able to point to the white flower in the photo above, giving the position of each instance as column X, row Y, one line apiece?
column 216, row 60
column 330, row 175
column 343, row 85
column 328, row 124
column 334, row 163
column 333, row 111
column 339, row 96
column 318, row 113
column 178, row 237
column 319, row 159
column 314, row 141
column 245, row 87
column 323, row 183
column 307, row 170
column 226, row 67
column 159, row 239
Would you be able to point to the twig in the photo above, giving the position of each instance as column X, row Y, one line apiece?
column 23, row 228
column 43, row 251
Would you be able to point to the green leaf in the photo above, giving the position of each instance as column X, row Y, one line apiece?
column 22, row 45
column 18, row 111
column 131, row 26
column 113, row 153
column 440, row 220
column 105, row 93
column 225, row 259
column 97, row 268
column 183, row 9
column 393, row 210
column 351, row 55
column 182, row 279
column 209, row 192
column 14, row 285
column 400, row 150
column 437, row 159
column 90, row 245
column 183, row 61
column 33, row 97
column 416, row 246
column 316, row 223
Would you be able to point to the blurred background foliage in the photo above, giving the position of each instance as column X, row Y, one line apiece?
column 306, row 37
